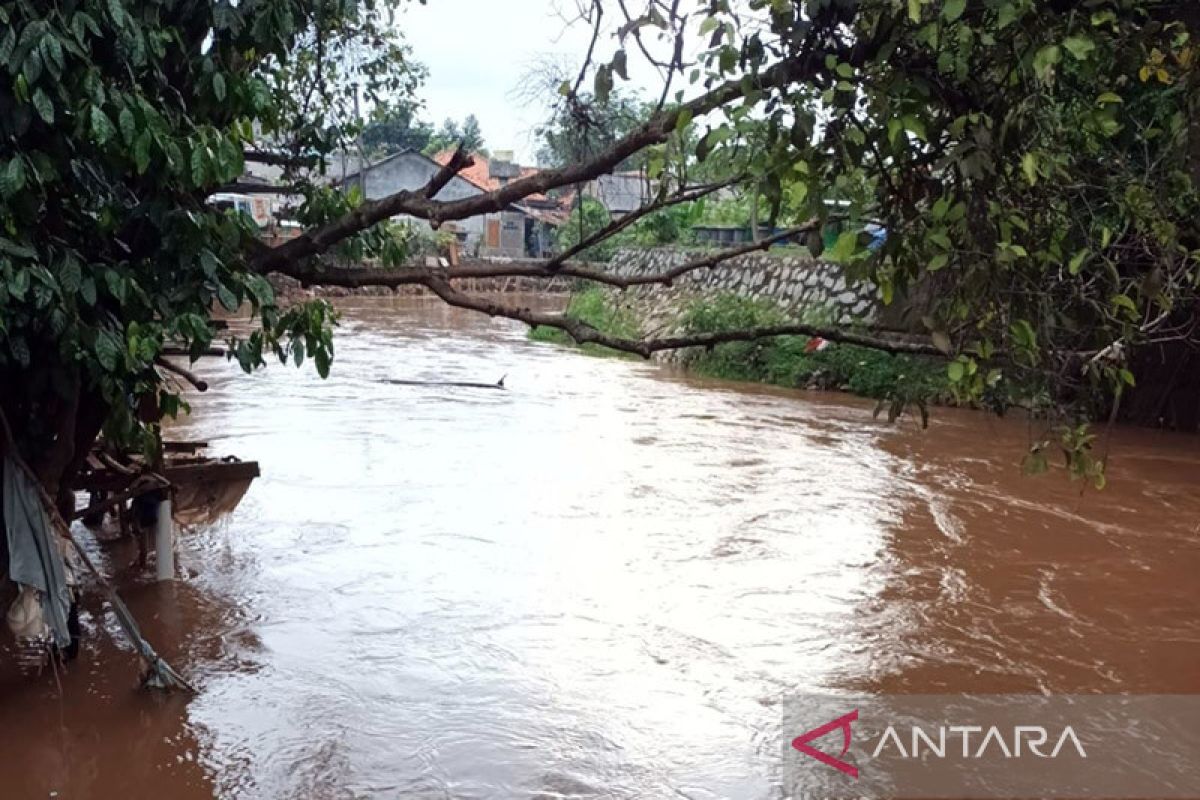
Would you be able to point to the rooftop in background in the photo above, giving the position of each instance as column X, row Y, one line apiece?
column 489, row 173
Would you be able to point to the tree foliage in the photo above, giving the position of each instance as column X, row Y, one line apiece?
column 451, row 134
column 395, row 127
column 118, row 119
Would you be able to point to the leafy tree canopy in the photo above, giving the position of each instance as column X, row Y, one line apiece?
column 395, row 127
column 469, row 134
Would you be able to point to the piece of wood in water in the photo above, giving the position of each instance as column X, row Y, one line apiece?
column 463, row 384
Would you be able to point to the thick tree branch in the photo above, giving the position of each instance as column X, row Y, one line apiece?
column 584, row 333
column 242, row 187
column 311, row 274
column 172, row 350
column 279, row 159
column 654, row 131
column 457, row 163
column 189, row 376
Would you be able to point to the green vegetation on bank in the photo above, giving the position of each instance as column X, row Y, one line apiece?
column 781, row 361
column 595, row 307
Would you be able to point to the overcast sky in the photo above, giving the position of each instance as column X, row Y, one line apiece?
column 478, row 51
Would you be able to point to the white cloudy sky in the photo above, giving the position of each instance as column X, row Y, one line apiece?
column 478, row 52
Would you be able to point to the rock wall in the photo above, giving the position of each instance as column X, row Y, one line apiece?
column 799, row 284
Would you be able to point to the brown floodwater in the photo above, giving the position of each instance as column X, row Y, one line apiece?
column 598, row 583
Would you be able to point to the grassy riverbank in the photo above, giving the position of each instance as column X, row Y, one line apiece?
column 595, row 307
column 781, row 361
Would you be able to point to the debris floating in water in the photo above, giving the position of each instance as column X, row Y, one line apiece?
column 464, row 384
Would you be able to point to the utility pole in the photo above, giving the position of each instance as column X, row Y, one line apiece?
column 362, row 162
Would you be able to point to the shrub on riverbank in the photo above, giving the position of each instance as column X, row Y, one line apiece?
column 783, row 360
column 595, row 307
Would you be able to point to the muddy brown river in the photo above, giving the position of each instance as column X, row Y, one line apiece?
column 598, row 583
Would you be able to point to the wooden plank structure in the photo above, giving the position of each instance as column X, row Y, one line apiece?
column 202, row 487
column 179, row 471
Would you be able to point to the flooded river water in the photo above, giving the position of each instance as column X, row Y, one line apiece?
column 598, row 583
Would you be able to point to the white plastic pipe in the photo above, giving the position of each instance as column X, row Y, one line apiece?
column 164, row 541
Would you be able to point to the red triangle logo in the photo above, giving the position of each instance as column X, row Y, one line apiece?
column 801, row 743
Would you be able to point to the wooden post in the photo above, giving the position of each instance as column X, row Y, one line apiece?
column 164, row 540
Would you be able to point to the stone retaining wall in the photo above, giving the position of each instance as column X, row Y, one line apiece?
column 799, row 284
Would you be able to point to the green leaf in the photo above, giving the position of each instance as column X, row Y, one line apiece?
column 844, row 248
column 1124, row 301
column 7, row 44
column 227, row 297
column 53, row 54
column 218, row 84
column 141, row 152
column 938, row 262
column 1029, row 166
column 684, row 119
column 1023, row 335
column 953, row 9
column 108, row 350
column 914, row 10
column 102, row 127
column 14, row 249
column 1108, row 98
column 1077, row 261
column 1045, row 60
column 198, row 165
column 18, row 284
column 1006, row 15
column 916, row 125
column 322, row 359
column 1079, row 46
column 128, row 125
column 70, row 275
column 116, row 284
column 31, row 70
column 116, row 12
column 87, row 290
column 955, row 371
column 44, row 106
column 12, row 179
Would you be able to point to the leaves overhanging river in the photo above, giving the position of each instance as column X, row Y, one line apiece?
column 598, row 583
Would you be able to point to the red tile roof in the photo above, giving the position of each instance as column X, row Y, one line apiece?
column 480, row 175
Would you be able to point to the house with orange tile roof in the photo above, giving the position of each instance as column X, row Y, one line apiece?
column 523, row 230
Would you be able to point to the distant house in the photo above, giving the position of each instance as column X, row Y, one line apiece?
column 621, row 192
column 523, row 229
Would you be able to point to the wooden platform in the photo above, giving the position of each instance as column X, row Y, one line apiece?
column 178, row 471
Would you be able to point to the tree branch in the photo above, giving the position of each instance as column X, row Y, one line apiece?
column 457, row 163
column 189, row 376
column 618, row 225
column 584, row 333
column 310, row 274
column 654, row 131
column 279, row 159
column 242, row 187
